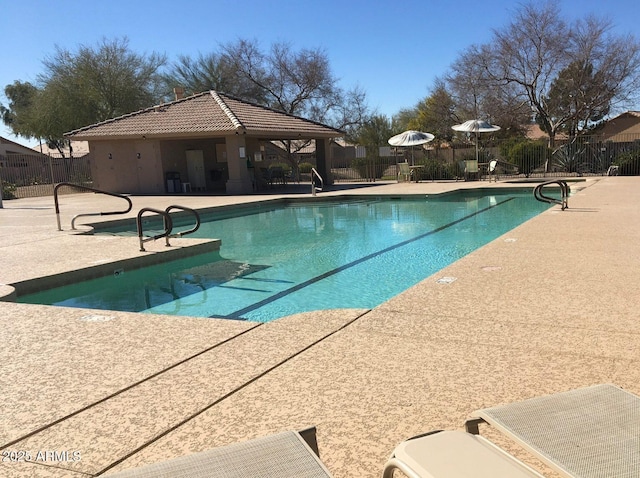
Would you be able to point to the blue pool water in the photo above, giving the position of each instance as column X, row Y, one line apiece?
column 280, row 260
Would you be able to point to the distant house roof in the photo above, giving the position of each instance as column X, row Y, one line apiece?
column 533, row 131
column 79, row 148
column 624, row 127
column 11, row 147
column 208, row 114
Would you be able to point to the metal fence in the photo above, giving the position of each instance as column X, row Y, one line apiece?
column 32, row 175
column 583, row 156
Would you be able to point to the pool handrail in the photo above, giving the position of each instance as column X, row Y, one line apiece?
column 166, row 220
column 187, row 209
column 316, row 174
column 86, row 188
column 564, row 193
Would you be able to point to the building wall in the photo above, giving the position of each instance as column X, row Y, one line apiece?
column 141, row 166
column 127, row 167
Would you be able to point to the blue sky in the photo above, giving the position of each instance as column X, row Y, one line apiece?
column 392, row 49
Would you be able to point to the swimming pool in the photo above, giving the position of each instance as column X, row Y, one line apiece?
column 277, row 260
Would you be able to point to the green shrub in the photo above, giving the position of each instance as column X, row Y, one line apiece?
column 286, row 167
column 434, row 169
column 628, row 163
column 369, row 167
column 527, row 155
column 8, row 191
column 305, row 168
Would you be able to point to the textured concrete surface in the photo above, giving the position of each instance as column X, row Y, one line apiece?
column 549, row 306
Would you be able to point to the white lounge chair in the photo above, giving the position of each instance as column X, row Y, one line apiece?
column 454, row 454
column 287, row 454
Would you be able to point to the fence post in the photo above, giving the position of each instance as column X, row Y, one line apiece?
column 53, row 185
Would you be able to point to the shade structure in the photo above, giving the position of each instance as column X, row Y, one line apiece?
column 410, row 138
column 475, row 126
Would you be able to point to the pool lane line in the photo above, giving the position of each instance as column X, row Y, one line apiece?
column 128, row 387
column 239, row 313
column 229, row 394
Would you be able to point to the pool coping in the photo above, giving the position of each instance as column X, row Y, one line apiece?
column 61, row 278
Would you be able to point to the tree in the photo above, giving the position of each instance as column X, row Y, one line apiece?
column 469, row 83
column 295, row 82
column 538, row 53
column 478, row 95
column 82, row 88
column 298, row 83
column 17, row 115
column 435, row 114
column 372, row 133
column 209, row 72
column 402, row 120
column 578, row 98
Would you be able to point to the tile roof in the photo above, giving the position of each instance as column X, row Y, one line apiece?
column 208, row 114
column 8, row 146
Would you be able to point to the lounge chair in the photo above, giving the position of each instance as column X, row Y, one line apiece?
column 287, row 454
column 586, row 432
column 454, row 454
column 404, row 172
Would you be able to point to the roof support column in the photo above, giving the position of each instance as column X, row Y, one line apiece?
column 323, row 159
column 241, row 179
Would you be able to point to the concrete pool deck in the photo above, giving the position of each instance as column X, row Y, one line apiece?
column 548, row 307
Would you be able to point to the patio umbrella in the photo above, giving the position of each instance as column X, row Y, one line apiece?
column 411, row 138
column 475, row 126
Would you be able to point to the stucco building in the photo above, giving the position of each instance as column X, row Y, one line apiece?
column 205, row 142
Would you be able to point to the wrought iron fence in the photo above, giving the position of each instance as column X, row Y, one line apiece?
column 32, row 175
column 35, row 175
column 582, row 156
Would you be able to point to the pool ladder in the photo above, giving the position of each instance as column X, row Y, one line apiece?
column 564, row 193
column 166, row 217
column 167, row 223
column 86, row 188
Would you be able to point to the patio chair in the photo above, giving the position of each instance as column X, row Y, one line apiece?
column 404, row 172
column 493, row 171
column 471, row 169
column 454, row 454
column 286, row 454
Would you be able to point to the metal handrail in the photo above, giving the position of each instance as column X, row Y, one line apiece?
column 167, row 222
column 315, row 174
column 564, row 193
column 188, row 231
column 86, row 188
